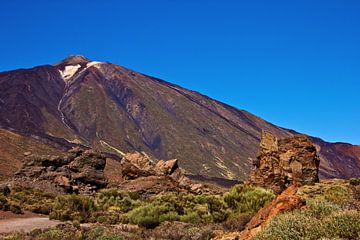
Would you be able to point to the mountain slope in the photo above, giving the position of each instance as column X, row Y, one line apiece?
column 114, row 109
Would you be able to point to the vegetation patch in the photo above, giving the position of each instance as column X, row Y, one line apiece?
column 332, row 213
column 29, row 199
column 112, row 206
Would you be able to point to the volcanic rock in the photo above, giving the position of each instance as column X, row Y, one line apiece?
column 79, row 170
column 140, row 160
column 166, row 167
column 283, row 162
column 141, row 173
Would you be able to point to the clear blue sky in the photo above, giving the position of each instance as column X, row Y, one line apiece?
column 294, row 63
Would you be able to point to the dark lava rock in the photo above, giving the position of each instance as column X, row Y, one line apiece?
column 79, row 171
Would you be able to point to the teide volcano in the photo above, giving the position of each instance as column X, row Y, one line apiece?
column 116, row 110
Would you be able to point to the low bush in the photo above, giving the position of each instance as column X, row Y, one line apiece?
column 117, row 201
column 73, row 207
column 15, row 208
column 247, row 199
column 101, row 233
column 323, row 220
column 354, row 181
column 321, row 208
column 151, row 215
column 236, row 223
column 33, row 200
column 111, row 206
column 337, row 194
column 343, row 224
column 67, row 232
column 4, row 205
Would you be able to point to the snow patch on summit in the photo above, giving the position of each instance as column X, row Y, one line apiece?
column 69, row 71
column 92, row 64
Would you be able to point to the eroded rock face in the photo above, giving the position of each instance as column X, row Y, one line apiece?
column 139, row 172
column 80, row 170
column 281, row 163
column 140, row 160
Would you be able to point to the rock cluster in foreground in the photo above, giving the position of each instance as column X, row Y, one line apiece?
column 84, row 171
column 281, row 163
column 78, row 171
column 140, row 173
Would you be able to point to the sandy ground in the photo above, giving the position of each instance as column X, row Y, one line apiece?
column 24, row 222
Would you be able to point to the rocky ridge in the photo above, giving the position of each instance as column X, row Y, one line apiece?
column 84, row 171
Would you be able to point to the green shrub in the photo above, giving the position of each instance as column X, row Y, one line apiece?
column 337, row 194
column 13, row 236
column 354, row 181
column 293, row 226
column 321, row 209
column 323, row 220
column 33, row 200
column 217, row 209
column 236, row 223
column 4, row 205
column 113, row 198
column 344, row 224
column 191, row 217
column 95, row 233
column 76, row 224
column 151, row 215
column 55, row 234
column 203, row 208
column 15, row 208
column 247, row 199
column 73, row 207
column 101, row 219
column 110, row 237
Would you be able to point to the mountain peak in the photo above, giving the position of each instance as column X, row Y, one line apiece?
column 73, row 60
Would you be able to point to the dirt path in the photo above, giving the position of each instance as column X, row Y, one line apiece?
column 26, row 224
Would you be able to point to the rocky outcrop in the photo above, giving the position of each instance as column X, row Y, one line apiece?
column 83, row 171
column 281, row 163
column 140, row 160
column 141, row 173
column 79, row 171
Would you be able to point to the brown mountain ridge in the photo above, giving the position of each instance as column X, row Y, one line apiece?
column 116, row 110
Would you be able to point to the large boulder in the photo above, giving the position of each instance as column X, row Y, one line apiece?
column 80, row 170
column 139, row 172
column 140, row 160
column 166, row 167
column 281, row 163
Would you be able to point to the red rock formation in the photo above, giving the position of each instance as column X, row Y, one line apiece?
column 286, row 201
column 283, row 162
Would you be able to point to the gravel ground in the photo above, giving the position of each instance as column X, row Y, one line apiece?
column 26, row 224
